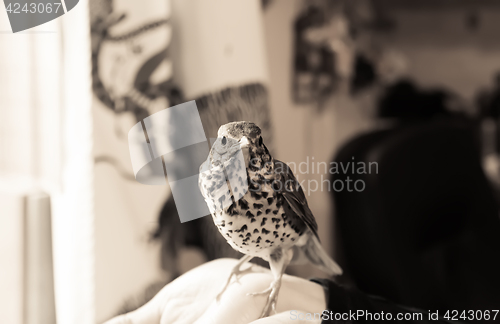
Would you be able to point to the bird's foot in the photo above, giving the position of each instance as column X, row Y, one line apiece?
column 237, row 273
column 267, row 291
column 272, row 291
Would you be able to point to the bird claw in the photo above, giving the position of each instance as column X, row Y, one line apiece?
column 270, row 306
column 237, row 273
column 264, row 292
column 268, row 309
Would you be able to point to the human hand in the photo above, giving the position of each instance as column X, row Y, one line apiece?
column 191, row 299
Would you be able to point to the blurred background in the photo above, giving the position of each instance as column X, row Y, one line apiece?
column 410, row 86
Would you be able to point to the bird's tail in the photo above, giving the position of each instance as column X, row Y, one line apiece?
column 312, row 251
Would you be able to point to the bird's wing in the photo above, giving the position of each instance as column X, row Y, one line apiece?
column 293, row 194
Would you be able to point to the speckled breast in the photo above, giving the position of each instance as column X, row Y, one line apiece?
column 257, row 223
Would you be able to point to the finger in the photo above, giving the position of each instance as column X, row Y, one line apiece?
column 291, row 317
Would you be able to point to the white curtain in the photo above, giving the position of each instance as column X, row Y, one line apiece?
column 46, row 143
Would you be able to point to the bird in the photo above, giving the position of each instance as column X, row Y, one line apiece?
column 259, row 207
column 244, row 102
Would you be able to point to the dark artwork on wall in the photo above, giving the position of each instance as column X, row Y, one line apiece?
column 314, row 74
column 125, row 67
column 333, row 47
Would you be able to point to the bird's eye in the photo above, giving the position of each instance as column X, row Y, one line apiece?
column 260, row 141
column 224, row 140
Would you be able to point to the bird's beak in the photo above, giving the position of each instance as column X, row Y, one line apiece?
column 244, row 142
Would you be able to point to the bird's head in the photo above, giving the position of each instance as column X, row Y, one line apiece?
column 233, row 137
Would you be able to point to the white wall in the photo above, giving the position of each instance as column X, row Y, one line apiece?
column 126, row 212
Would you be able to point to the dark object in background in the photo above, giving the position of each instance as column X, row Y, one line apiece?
column 425, row 232
column 488, row 102
column 364, row 74
column 266, row 3
column 341, row 300
column 403, row 100
column 473, row 20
